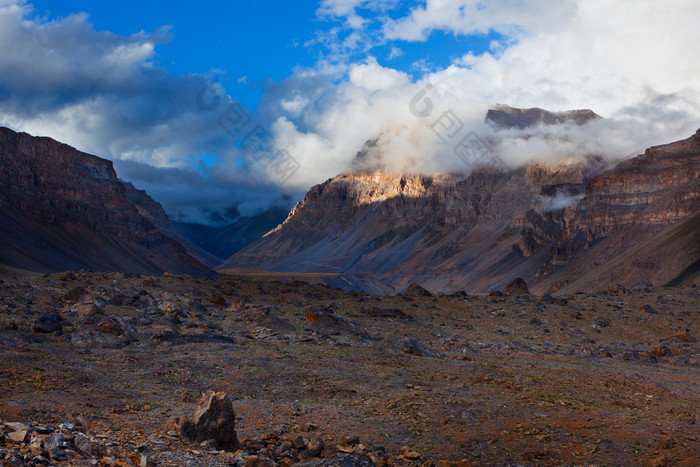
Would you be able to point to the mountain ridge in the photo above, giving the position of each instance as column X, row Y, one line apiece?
column 61, row 209
column 479, row 232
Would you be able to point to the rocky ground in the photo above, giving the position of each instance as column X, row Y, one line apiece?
column 95, row 367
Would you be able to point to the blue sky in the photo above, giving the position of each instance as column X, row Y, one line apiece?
column 258, row 40
column 120, row 79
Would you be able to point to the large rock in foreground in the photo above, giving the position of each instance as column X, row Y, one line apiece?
column 215, row 420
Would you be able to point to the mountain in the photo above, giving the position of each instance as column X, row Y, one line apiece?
column 154, row 212
column 222, row 242
column 62, row 209
column 550, row 224
column 637, row 222
column 448, row 232
column 506, row 117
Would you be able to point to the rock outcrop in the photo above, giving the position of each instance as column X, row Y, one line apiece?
column 63, row 209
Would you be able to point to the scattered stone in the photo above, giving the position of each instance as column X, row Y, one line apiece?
column 196, row 307
column 684, row 336
column 67, row 276
column 408, row 453
column 516, row 287
column 257, row 461
column 68, row 426
column 660, row 351
column 618, row 289
column 54, row 447
column 82, row 420
column 394, row 313
column 75, row 294
column 413, row 347
column 662, row 461
column 298, row 443
column 19, row 436
column 216, row 299
column 215, row 420
column 314, row 447
column 85, row 445
column 109, row 326
column 416, row 290
column 325, row 318
column 48, row 323
column 647, row 309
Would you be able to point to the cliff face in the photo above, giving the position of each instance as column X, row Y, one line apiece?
column 549, row 224
column 638, row 216
column 63, row 209
column 658, row 187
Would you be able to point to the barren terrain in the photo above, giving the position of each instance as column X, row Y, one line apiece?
column 105, row 359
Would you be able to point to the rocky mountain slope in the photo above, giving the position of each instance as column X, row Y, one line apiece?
column 476, row 233
column 63, row 209
column 154, row 212
column 643, row 217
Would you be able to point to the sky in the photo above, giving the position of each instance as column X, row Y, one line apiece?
column 212, row 105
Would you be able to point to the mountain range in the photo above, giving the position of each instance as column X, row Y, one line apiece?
column 578, row 225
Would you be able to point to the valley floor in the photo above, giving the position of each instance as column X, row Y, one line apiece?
column 608, row 378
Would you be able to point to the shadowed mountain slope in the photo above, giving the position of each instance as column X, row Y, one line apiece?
column 63, row 209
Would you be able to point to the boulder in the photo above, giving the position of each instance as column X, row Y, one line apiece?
column 75, row 294
column 214, row 420
column 416, row 290
column 516, row 287
column 48, row 323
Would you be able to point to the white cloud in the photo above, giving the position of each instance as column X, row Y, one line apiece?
column 629, row 61
column 373, row 77
column 105, row 94
column 469, row 17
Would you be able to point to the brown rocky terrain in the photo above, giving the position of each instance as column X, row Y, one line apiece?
column 63, row 209
column 550, row 224
column 108, row 369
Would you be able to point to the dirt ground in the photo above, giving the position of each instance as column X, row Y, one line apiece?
column 611, row 378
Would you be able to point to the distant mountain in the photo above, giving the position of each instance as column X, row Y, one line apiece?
column 222, row 242
column 503, row 116
column 560, row 227
column 62, row 209
column 154, row 212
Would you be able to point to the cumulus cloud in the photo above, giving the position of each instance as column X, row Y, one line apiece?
column 627, row 61
column 107, row 95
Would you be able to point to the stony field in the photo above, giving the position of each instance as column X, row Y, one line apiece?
column 95, row 368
